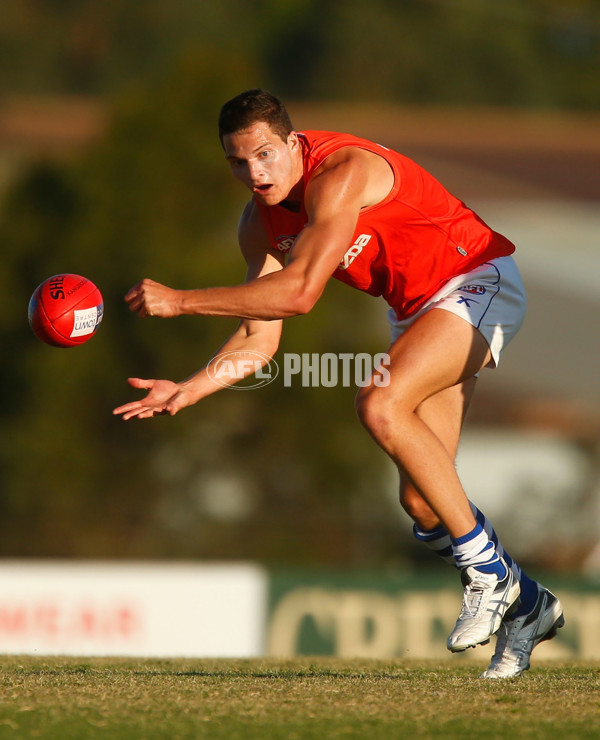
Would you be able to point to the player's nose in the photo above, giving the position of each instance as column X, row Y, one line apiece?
column 256, row 172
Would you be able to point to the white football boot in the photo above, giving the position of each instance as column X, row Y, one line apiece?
column 486, row 601
column 517, row 637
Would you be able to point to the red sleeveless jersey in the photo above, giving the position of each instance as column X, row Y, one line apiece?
column 406, row 247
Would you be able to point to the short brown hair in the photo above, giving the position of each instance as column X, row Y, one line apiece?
column 251, row 107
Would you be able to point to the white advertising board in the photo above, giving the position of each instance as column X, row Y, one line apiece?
column 132, row 609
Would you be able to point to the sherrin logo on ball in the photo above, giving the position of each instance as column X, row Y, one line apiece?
column 65, row 310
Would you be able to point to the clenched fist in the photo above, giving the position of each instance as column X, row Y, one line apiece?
column 149, row 298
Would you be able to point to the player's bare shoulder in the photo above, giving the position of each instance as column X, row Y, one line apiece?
column 366, row 173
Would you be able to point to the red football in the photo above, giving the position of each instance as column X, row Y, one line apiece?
column 65, row 310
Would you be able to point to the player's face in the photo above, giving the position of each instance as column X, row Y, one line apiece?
column 263, row 162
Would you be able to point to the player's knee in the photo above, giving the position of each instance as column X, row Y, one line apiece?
column 373, row 412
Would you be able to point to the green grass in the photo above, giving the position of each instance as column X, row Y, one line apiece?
column 324, row 699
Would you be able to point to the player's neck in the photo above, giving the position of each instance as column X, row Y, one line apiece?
column 295, row 206
column 294, row 199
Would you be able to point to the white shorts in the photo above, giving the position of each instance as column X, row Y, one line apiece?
column 491, row 298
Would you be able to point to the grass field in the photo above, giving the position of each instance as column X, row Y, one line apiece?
column 325, row 699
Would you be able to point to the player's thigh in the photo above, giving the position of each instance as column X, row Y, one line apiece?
column 444, row 413
column 438, row 351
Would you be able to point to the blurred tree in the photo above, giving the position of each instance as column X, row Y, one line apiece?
column 520, row 52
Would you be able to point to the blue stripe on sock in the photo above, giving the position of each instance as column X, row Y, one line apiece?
column 493, row 567
column 529, row 594
column 429, row 535
column 479, row 515
column 491, row 532
column 477, row 530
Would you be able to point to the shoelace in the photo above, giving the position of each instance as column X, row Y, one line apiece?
column 472, row 597
column 507, row 637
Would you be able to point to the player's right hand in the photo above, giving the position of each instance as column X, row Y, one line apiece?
column 150, row 298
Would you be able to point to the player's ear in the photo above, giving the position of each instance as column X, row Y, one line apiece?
column 292, row 141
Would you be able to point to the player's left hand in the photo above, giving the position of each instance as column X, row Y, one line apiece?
column 164, row 397
column 149, row 298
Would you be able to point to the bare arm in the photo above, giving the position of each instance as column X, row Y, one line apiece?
column 347, row 181
column 255, row 340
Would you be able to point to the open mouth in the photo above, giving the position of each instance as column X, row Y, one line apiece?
column 262, row 189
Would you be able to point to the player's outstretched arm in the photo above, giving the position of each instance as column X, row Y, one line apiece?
column 333, row 199
column 257, row 339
